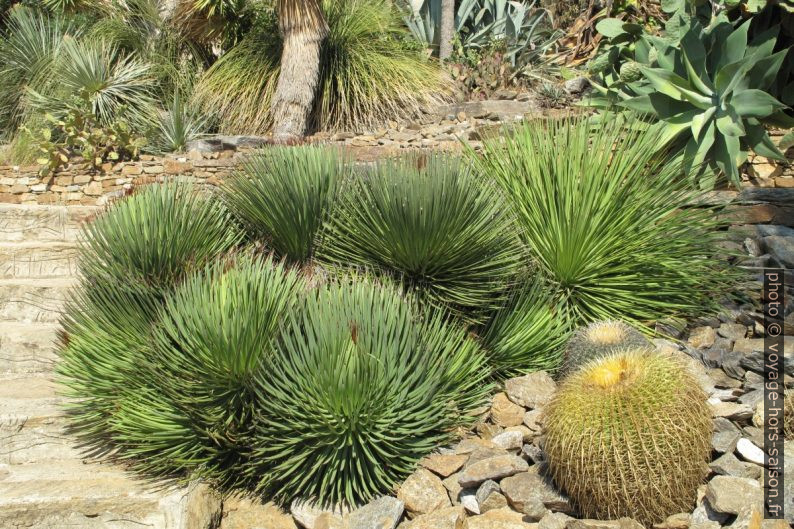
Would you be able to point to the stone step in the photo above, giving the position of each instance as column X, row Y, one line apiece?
column 33, row 300
column 71, row 494
column 43, row 223
column 27, row 347
column 37, row 259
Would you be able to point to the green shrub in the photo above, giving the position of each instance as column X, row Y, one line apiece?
column 600, row 339
column 438, row 229
column 527, row 335
column 360, row 387
column 629, row 436
column 609, row 220
column 178, row 125
column 156, row 236
column 209, row 343
column 368, row 73
column 281, row 197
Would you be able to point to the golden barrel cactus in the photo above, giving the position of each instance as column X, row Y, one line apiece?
column 600, row 339
column 629, row 435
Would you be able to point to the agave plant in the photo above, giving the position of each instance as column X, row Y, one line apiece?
column 438, row 229
column 156, row 236
column 361, row 385
column 281, row 197
column 526, row 335
column 209, row 342
column 708, row 89
column 607, row 223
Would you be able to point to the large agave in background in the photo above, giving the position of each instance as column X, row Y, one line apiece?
column 706, row 86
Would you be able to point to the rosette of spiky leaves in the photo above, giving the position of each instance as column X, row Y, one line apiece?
column 527, row 334
column 432, row 224
column 104, row 343
column 599, row 339
column 213, row 334
column 361, row 385
column 608, row 223
column 629, row 436
column 282, row 196
column 156, row 236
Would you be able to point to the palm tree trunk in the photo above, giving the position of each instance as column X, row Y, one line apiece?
column 447, row 30
column 303, row 29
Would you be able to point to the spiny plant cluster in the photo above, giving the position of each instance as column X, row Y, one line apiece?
column 313, row 328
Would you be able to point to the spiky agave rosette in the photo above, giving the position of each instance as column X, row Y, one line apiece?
column 600, row 339
column 359, row 387
column 629, row 435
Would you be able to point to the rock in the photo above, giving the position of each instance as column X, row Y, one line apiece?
column 674, row 521
column 453, row 487
column 245, row 513
column 504, row 412
column 732, row 331
column 526, row 433
column 576, row 86
column 622, row 523
column 758, row 415
column 702, row 337
column 243, row 142
column 704, row 514
column 754, row 398
column 531, row 391
column 488, row 431
column 750, row 452
column 448, row 518
column 468, row 499
column 526, row 489
column 423, row 492
column 492, row 468
column 781, row 248
column 310, row 515
column 733, row 411
column 554, row 520
column 484, row 453
column 533, row 420
column 473, row 444
column 205, row 145
column 534, row 453
column 509, row 440
column 729, row 494
column 489, row 497
column 754, row 435
column 499, row 519
column 729, row 465
column 505, row 94
column 444, row 464
column 753, row 351
column 382, row 513
column 725, row 441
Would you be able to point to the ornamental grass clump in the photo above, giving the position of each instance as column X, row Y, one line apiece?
column 281, row 197
column 527, row 335
column 360, row 386
column 629, row 435
column 207, row 348
column 600, row 339
column 608, row 219
column 432, row 225
column 155, row 237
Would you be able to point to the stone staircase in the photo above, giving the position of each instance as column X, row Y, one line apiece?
column 45, row 480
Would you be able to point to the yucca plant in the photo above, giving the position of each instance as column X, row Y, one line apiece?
column 178, row 125
column 369, row 73
column 609, row 220
column 282, row 196
column 29, row 46
column 439, row 229
column 526, row 335
column 156, row 236
column 208, row 345
column 361, row 386
column 99, row 73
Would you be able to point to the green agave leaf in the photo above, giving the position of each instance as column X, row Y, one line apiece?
column 731, row 75
column 698, row 77
column 729, row 123
column 728, row 156
column 672, row 85
column 764, row 72
column 699, row 121
column 758, row 139
column 732, row 48
column 755, row 103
